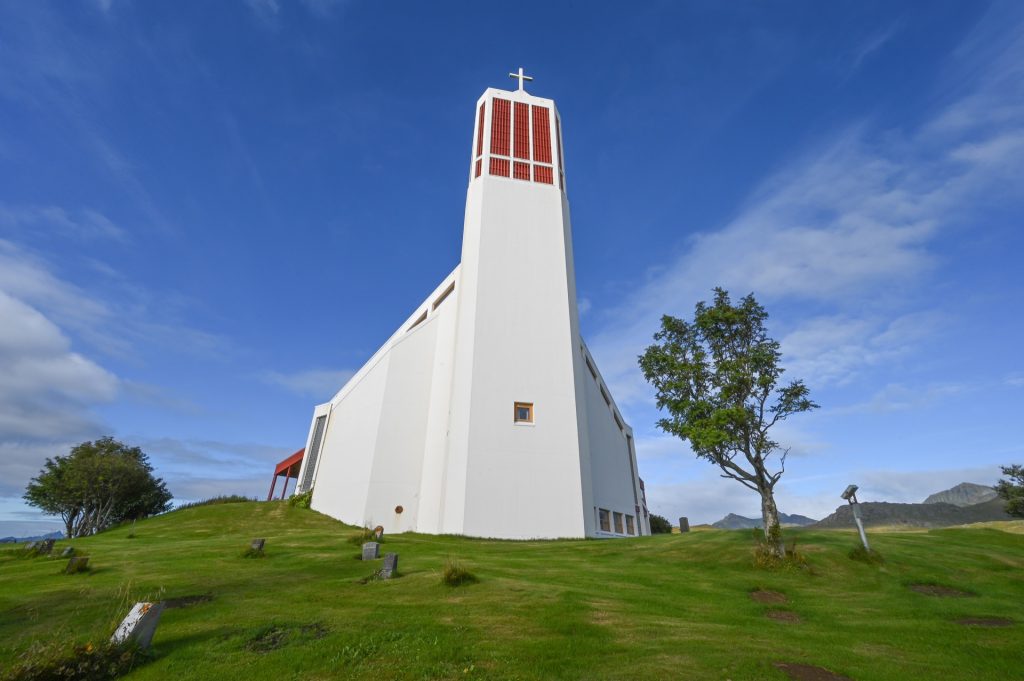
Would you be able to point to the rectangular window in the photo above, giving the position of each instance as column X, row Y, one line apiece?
column 521, row 171
column 522, row 126
column 607, row 400
column 499, row 166
column 479, row 162
column 605, row 520
column 630, row 525
column 543, row 174
column 313, row 452
column 590, row 367
column 618, row 523
column 480, row 133
column 500, row 127
column 523, row 412
column 618, row 421
column 419, row 320
column 440, row 299
column 541, row 135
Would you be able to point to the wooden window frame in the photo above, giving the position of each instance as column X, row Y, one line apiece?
column 515, row 412
column 604, row 517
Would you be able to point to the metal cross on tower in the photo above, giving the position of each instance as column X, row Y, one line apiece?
column 520, row 77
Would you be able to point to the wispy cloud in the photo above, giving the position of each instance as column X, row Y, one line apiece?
column 316, row 383
column 873, row 43
column 85, row 224
column 842, row 228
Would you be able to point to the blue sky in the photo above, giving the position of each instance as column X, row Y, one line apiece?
column 212, row 213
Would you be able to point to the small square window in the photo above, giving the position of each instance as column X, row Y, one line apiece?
column 523, row 412
column 618, row 523
column 605, row 520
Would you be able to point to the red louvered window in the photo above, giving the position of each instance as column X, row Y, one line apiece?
column 501, row 127
column 522, row 123
column 480, row 132
column 541, row 135
column 499, row 166
column 543, row 174
column 479, row 162
column 521, row 171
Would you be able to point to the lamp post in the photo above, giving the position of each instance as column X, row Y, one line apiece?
column 850, row 495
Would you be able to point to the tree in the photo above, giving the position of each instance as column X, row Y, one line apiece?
column 1012, row 490
column 660, row 525
column 99, row 484
column 718, row 379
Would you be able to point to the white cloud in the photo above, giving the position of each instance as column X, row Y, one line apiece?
column 45, row 388
column 317, row 383
column 85, row 224
column 842, row 229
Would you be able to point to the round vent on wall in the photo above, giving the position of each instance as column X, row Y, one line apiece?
column 399, row 509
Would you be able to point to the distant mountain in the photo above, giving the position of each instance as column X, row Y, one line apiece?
column 738, row 522
column 938, row 514
column 16, row 540
column 964, row 494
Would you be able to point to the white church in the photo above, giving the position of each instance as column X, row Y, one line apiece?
column 484, row 414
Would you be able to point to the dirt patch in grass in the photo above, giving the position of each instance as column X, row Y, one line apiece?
column 939, row 590
column 314, row 630
column 808, row 672
column 768, row 597
column 267, row 639
column 186, row 601
column 783, row 616
column 985, row 621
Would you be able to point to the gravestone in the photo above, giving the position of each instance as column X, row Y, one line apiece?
column 139, row 626
column 257, row 545
column 31, row 547
column 684, row 524
column 76, row 564
column 67, row 552
column 46, row 547
column 378, row 532
column 390, row 566
column 371, row 550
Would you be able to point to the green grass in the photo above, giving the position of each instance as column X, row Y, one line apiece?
column 670, row 606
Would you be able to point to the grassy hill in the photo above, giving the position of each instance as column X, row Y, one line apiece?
column 671, row 606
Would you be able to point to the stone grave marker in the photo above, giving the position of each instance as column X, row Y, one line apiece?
column 139, row 626
column 371, row 550
column 257, row 544
column 68, row 552
column 684, row 524
column 76, row 564
column 31, row 547
column 46, row 547
column 390, row 566
column 378, row 532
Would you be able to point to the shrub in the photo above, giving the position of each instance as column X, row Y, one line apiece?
column 53, row 661
column 455, row 574
column 364, row 535
column 765, row 558
column 660, row 525
column 301, row 500
column 223, row 499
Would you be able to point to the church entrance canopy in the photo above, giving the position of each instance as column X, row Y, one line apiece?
column 289, row 468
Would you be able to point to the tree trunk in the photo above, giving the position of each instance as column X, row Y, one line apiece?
column 770, row 521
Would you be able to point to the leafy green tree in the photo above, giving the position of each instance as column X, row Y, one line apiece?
column 660, row 525
column 99, row 484
column 1012, row 490
column 717, row 377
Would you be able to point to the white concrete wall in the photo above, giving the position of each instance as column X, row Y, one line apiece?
column 515, row 339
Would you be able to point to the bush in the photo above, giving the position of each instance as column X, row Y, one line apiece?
column 660, row 525
column 224, row 499
column 301, row 500
column 455, row 574
column 54, row 662
column 364, row 535
column 765, row 558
